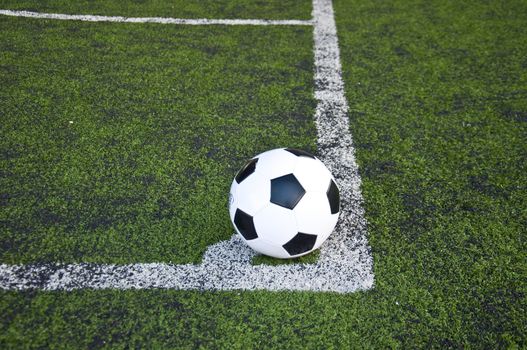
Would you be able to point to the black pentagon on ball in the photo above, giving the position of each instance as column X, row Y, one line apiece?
column 247, row 170
column 333, row 197
column 286, row 191
column 300, row 153
column 301, row 243
column 244, row 223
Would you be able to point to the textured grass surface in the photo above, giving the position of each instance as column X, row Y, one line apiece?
column 120, row 141
column 310, row 258
column 268, row 9
column 438, row 99
column 438, row 111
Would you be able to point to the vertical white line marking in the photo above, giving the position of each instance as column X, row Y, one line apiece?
column 336, row 150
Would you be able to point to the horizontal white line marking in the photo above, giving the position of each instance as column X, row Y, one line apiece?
column 162, row 20
column 225, row 266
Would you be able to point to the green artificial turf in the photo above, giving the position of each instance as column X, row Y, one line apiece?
column 310, row 258
column 120, row 142
column 438, row 110
column 268, row 9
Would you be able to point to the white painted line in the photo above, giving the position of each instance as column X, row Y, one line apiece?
column 226, row 266
column 161, row 20
column 345, row 262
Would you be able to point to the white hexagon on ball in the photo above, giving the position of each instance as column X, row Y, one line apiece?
column 284, row 203
column 266, row 223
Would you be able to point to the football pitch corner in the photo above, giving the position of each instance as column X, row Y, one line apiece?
column 345, row 263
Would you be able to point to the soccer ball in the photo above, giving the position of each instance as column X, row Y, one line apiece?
column 284, row 203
